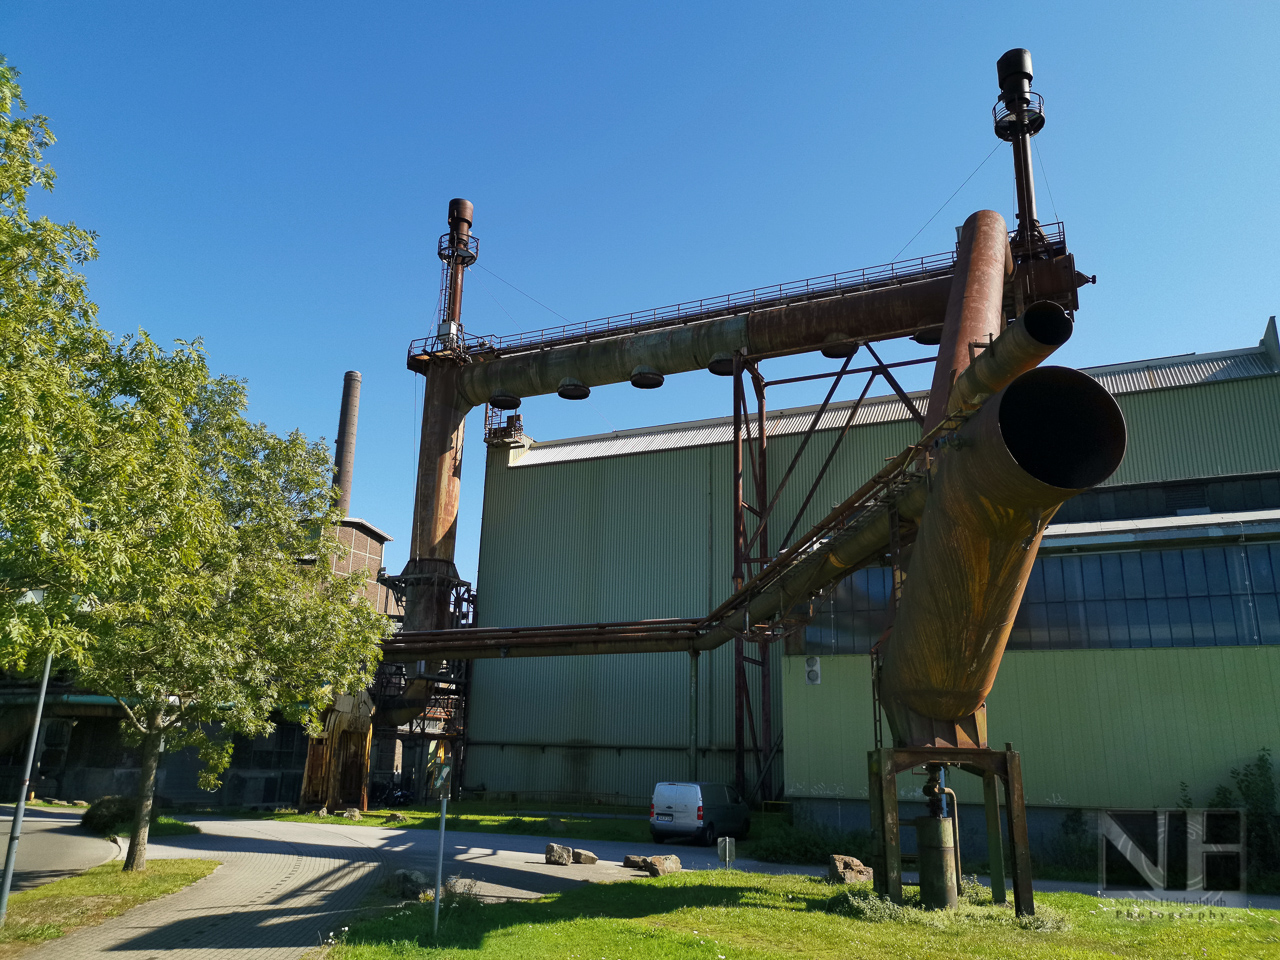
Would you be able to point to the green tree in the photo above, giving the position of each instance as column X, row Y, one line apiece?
column 182, row 549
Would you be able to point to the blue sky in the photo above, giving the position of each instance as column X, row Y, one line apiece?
column 272, row 177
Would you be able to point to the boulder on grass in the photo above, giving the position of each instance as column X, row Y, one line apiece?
column 633, row 862
column 352, row 813
column 397, row 818
column 411, row 884
column 560, row 855
column 584, row 856
column 847, row 870
column 661, row 866
column 322, row 812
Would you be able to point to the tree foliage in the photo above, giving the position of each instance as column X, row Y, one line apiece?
column 183, row 551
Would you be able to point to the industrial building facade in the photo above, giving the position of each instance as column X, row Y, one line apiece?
column 1146, row 652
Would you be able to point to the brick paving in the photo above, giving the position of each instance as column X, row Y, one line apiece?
column 279, row 891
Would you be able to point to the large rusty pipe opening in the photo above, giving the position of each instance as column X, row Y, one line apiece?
column 1062, row 427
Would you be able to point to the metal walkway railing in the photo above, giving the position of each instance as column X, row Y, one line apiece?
column 692, row 311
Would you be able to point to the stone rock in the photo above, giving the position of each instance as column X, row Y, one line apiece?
column 661, row 866
column 560, row 855
column 633, row 862
column 79, row 803
column 412, row 884
column 60, row 803
column 847, row 870
column 352, row 813
column 397, row 818
column 584, row 856
column 322, row 812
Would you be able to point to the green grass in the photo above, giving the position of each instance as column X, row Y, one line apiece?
column 772, row 829
column 161, row 826
column 482, row 817
column 53, row 909
column 712, row 914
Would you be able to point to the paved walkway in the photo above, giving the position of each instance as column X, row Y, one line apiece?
column 52, row 846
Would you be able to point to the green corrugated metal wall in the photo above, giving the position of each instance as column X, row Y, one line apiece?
column 647, row 535
column 1096, row 728
column 1211, row 430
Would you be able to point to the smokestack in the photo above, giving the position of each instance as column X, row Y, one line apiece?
column 345, row 454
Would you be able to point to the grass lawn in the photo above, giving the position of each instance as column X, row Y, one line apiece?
column 161, row 826
column 731, row 915
column 492, row 817
column 51, row 910
column 484, row 817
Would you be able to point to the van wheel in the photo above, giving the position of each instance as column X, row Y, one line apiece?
column 657, row 837
column 709, row 835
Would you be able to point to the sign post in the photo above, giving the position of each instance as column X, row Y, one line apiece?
column 725, row 847
column 442, row 784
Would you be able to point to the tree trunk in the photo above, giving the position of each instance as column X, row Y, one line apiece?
column 136, row 859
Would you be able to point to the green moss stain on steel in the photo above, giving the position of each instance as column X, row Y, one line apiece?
column 1209, row 430
column 1096, row 728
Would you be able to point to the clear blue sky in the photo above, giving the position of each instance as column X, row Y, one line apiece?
column 272, row 177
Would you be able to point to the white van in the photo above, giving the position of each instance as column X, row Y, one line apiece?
column 702, row 811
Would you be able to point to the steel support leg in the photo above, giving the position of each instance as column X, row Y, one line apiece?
column 1016, row 811
column 887, row 852
column 995, row 846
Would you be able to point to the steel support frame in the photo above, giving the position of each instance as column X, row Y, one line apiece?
column 751, row 551
column 883, row 767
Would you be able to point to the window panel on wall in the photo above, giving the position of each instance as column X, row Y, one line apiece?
column 1197, row 596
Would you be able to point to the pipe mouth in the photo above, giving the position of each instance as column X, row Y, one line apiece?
column 1048, row 323
column 839, row 350
column 721, row 365
column 646, row 378
column 1062, row 427
column 571, row 389
column 504, row 401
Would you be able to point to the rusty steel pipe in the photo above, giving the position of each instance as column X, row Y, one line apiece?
column 975, row 307
column 1048, row 435
column 880, row 314
column 435, row 506
column 1025, row 344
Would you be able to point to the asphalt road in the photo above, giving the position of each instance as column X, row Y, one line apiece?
column 53, row 845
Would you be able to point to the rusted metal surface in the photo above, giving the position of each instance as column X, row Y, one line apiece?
column 738, row 304
column 642, row 636
column 883, row 767
column 1025, row 344
column 345, row 448
column 975, row 305
column 770, row 332
column 996, row 483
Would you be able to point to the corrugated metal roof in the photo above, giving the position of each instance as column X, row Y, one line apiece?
column 701, row 433
column 1122, row 378
column 1184, row 371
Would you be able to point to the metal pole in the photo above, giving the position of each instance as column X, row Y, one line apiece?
column 15, row 830
column 444, row 806
column 693, row 715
